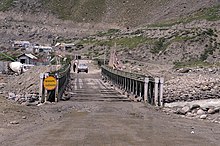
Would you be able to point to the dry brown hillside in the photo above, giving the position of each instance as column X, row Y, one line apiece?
column 167, row 31
column 120, row 12
column 43, row 20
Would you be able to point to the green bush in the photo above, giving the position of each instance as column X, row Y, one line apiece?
column 190, row 63
column 5, row 4
column 208, row 51
column 158, row 46
column 126, row 42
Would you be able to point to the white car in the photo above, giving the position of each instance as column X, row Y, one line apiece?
column 82, row 68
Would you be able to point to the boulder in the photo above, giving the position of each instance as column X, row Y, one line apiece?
column 14, row 122
column 217, row 109
column 179, row 111
column 194, row 106
column 184, row 70
column 205, row 108
column 200, row 112
column 203, row 116
column 189, row 114
column 211, row 111
column 185, row 109
column 194, row 111
column 139, row 99
column 11, row 96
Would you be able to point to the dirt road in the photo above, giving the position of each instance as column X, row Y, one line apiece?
column 97, row 115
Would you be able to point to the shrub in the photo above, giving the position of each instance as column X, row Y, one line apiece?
column 5, row 4
column 208, row 51
column 158, row 46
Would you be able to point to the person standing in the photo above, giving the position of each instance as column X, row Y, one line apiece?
column 74, row 66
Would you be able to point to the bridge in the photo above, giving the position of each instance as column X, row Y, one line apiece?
column 142, row 88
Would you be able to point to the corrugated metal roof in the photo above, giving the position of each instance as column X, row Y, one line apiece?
column 21, row 42
column 28, row 55
column 31, row 56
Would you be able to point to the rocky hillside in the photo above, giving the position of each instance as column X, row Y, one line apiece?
column 165, row 31
column 185, row 44
column 121, row 12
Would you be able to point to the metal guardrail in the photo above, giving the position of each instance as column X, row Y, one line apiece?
column 62, row 78
column 148, row 88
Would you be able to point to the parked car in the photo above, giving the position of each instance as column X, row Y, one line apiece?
column 82, row 68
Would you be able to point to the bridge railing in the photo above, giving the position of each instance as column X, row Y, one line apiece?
column 148, row 88
column 62, row 77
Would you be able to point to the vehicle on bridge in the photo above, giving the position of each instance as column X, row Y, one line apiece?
column 82, row 68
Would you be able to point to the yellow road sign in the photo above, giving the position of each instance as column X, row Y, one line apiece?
column 50, row 83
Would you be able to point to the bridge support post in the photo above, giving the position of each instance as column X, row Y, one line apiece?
column 57, row 89
column 146, row 81
column 125, row 84
column 161, row 92
column 156, row 91
column 45, row 91
column 133, row 90
column 41, row 89
column 140, row 88
column 136, row 88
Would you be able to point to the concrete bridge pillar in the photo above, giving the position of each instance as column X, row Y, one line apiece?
column 161, row 92
column 156, row 91
column 146, row 81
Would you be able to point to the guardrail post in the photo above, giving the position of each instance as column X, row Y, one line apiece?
column 146, row 81
column 57, row 89
column 156, row 91
column 121, row 82
column 41, row 92
column 136, row 88
column 161, row 92
column 125, row 84
column 129, row 84
column 45, row 91
column 140, row 88
column 133, row 90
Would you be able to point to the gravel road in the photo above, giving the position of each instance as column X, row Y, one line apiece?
column 98, row 115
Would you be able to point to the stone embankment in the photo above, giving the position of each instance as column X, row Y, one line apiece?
column 24, row 88
column 194, row 93
column 196, row 84
column 196, row 111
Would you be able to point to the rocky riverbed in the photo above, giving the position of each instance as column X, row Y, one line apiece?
column 200, row 109
column 194, row 93
column 196, row 84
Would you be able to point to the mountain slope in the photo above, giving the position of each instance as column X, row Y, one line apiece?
column 165, row 31
column 121, row 12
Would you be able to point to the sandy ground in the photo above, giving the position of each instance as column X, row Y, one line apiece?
column 98, row 115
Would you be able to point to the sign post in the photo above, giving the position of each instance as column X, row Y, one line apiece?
column 57, row 88
column 41, row 90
